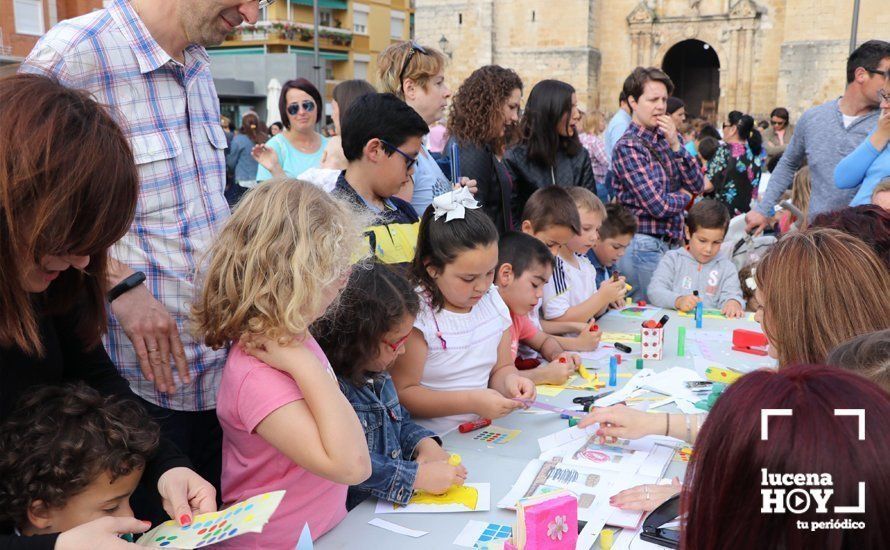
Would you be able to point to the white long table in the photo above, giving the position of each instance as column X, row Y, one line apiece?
column 500, row 465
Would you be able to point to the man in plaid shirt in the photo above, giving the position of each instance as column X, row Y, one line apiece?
column 654, row 176
column 146, row 60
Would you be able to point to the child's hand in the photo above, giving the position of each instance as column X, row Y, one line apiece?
column 614, row 291
column 732, row 309
column 438, row 477
column 686, row 303
column 430, row 451
column 558, row 373
column 491, row 404
column 520, row 387
column 277, row 356
column 588, row 340
column 101, row 534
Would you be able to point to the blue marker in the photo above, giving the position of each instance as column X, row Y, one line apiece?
column 699, row 314
column 613, row 371
column 455, row 163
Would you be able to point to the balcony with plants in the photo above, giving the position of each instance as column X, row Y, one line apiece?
column 289, row 33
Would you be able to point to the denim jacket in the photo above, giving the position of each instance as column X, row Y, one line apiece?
column 392, row 437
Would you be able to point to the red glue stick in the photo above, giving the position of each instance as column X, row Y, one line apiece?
column 594, row 328
column 475, row 425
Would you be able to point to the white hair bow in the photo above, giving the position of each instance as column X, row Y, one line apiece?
column 453, row 205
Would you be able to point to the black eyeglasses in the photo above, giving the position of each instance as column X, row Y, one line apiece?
column 294, row 108
column 876, row 71
column 777, row 122
column 409, row 160
column 415, row 48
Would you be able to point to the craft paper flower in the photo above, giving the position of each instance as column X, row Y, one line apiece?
column 556, row 529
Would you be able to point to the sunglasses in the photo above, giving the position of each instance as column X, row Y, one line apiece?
column 415, row 48
column 776, row 122
column 398, row 343
column 409, row 160
column 294, row 108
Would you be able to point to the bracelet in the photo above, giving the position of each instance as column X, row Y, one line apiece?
column 689, row 428
column 667, row 428
column 127, row 284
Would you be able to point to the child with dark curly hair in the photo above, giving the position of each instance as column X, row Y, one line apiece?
column 362, row 338
column 69, row 456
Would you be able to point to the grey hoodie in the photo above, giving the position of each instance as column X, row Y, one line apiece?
column 678, row 274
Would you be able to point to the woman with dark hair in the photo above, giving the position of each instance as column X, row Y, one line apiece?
column 548, row 151
column 676, row 108
column 275, row 128
column 299, row 147
column 62, row 206
column 777, row 137
column 484, row 108
column 735, row 169
column 239, row 158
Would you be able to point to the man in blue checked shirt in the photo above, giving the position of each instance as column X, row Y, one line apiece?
column 655, row 177
column 146, row 60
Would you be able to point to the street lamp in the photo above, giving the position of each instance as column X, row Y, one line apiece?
column 444, row 46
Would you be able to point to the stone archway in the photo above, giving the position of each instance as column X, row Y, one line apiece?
column 694, row 67
column 731, row 35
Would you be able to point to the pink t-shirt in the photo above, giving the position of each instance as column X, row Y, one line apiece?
column 251, row 390
column 521, row 329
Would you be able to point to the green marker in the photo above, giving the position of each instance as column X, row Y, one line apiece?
column 681, row 341
column 638, row 337
column 573, row 422
column 639, row 363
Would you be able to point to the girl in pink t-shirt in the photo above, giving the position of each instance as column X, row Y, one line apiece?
column 278, row 264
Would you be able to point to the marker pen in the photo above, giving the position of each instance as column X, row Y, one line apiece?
column 474, row 425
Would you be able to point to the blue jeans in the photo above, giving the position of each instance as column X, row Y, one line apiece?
column 639, row 263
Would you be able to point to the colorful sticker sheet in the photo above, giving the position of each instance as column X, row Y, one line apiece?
column 249, row 516
column 495, row 435
column 482, row 534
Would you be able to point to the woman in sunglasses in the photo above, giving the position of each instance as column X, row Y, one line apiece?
column 778, row 135
column 299, row 147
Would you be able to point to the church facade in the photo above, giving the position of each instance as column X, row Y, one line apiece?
column 749, row 55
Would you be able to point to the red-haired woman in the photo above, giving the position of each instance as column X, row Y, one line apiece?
column 68, row 191
column 846, row 455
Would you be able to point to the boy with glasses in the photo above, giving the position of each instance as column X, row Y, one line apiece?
column 381, row 140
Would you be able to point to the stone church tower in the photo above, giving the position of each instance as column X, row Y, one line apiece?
column 750, row 55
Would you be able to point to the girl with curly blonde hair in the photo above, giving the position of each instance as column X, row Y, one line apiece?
column 484, row 109
column 278, row 264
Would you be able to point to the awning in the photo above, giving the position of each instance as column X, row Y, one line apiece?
column 328, row 4
column 332, row 56
column 230, row 87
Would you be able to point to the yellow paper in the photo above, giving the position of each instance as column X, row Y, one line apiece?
column 617, row 337
column 458, row 494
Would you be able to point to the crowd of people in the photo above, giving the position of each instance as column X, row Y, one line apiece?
column 165, row 354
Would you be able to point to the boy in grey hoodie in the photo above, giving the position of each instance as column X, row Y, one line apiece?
column 695, row 274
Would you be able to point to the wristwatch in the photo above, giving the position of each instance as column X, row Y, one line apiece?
column 127, row 284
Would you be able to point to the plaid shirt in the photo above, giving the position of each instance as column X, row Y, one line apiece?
column 169, row 112
column 649, row 186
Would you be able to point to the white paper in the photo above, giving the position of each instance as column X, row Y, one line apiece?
column 471, row 532
column 635, row 382
column 657, row 461
column 483, row 504
column 628, row 518
column 587, row 536
column 566, row 435
column 382, row 523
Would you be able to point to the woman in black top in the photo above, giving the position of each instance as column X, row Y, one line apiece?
column 68, row 191
column 484, row 108
column 548, row 151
